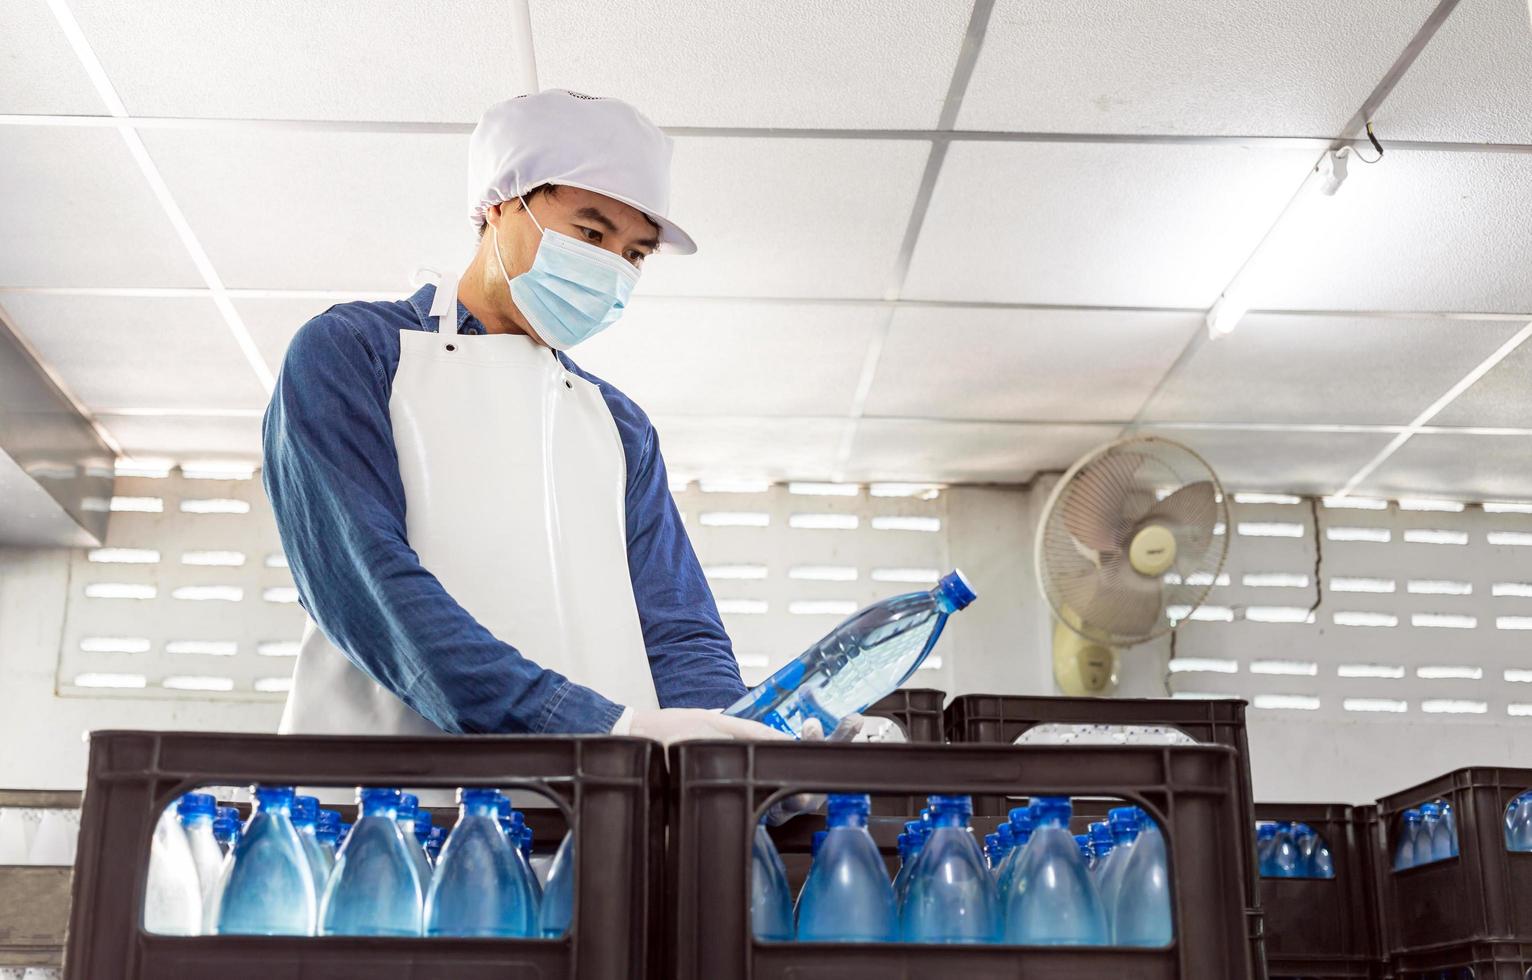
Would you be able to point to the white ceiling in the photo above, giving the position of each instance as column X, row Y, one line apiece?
column 1046, row 301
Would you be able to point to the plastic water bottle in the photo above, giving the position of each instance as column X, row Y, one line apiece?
column 57, row 837
column 557, row 910
column 1314, row 857
column 375, row 889
column 523, row 852
column 1141, row 916
column 1449, row 820
column 863, row 659
column 1441, row 832
column 1021, row 819
column 848, row 897
column 268, row 888
column 991, row 851
column 478, row 890
column 328, row 832
column 195, row 811
column 771, row 904
column 950, row 894
column 1007, row 837
column 423, row 831
column 1265, row 840
column 1053, row 901
column 409, row 809
column 434, row 845
column 1517, row 814
column 1425, row 834
column 914, row 840
column 1100, row 844
column 173, row 895
column 1404, row 853
column 227, row 834
column 1285, row 859
column 306, row 822
column 1124, row 823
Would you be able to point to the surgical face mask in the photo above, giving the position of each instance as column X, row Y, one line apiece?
column 573, row 291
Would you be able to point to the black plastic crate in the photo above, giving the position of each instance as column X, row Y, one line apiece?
column 1002, row 718
column 916, row 710
column 1469, row 961
column 611, row 789
column 1484, row 894
column 719, row 790
column 1322, row 927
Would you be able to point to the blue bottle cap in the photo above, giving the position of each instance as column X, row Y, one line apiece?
column 273, row 796
column 991, row 842
column 422, row 824
column 956, row 588
column 952, row 804
column 378, row 797
column 1430, row 810
column 408, row 804
column 345, row 831
column 1021, row 818
column 848, row 803
column 305, row 811
column 229, row 812
column 479, row 796
column 1412, row 816
column 196, row 805
column 1100, row 833
column 1265, row 831
column 914, row 828
column 1006, row 833
column 1053, row 811
column 329, row 821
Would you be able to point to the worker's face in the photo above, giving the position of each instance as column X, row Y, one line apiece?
column 582, row 215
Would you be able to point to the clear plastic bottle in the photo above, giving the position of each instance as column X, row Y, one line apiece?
column 1314, row 857
column 1425, row 834
column 423, row 830
column 409, row 809
column 173, row 894
column 375, row 889
column 1449, row 820
column 434, row 845
column 1142, row 914
column 1265, row 840
column 1124, row 823
column 1286, row 862
column 1100, row 844
column 863, row 659
column 1409, row 829
column 1441, row 832
column 950, row 894
column 15, row 845
column 558, row 897
column 1007, row 837
column 771, row 904
column 267, row 887
column 306, row 822
column 340, row 841
column 1022, row 819
column 848, row 897
column 914, row 839
column 195, row 811
column 231, row 830
column 328, row 832
column 477, row 889
column 1053, row 901
column 57, row 837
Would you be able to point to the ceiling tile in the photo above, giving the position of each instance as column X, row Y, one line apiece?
column 1290, row 462
column 680, row 357
column 77, row 212
column 1456, row 466
column 778, row 217
column 1470, row 82
column 1330, row 369
column 320, row 210
column 39, row 72
column 966, row 452
column 272, row 322
column 1185, row 66
column 1499, row 398
column 1064, row 365
column 879, row 64
column 443, row 61
column 1131, row 225
column 760, row 448
column 121, row 353
column 187, row 438
column 1418, row 231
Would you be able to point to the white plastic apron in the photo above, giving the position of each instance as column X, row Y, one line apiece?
column 514, row 480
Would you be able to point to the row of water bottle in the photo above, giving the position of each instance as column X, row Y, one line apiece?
column 295, row 870
column 1426, row 835
column 1033, row 883
column 1518, row 823
column 1292, row 850
column 38, row 835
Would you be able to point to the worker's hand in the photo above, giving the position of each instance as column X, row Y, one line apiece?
column 784, row 810
column 667, row 725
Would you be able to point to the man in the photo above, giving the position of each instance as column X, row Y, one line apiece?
column 482, row 533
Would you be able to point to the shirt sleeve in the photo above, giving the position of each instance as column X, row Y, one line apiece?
column 690, row 656
column 331, row 472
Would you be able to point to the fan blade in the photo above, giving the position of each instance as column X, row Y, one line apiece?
column 1095, row 506
column 1189, row 514
column 1126, row 603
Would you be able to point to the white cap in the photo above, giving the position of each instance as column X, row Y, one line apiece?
column 560, row 137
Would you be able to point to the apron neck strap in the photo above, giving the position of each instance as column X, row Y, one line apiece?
column 444, row 306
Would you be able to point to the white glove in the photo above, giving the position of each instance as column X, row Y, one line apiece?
column 667, row 725
column 785, row 809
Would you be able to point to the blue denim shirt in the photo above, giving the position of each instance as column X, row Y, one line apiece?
column 332, row 474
